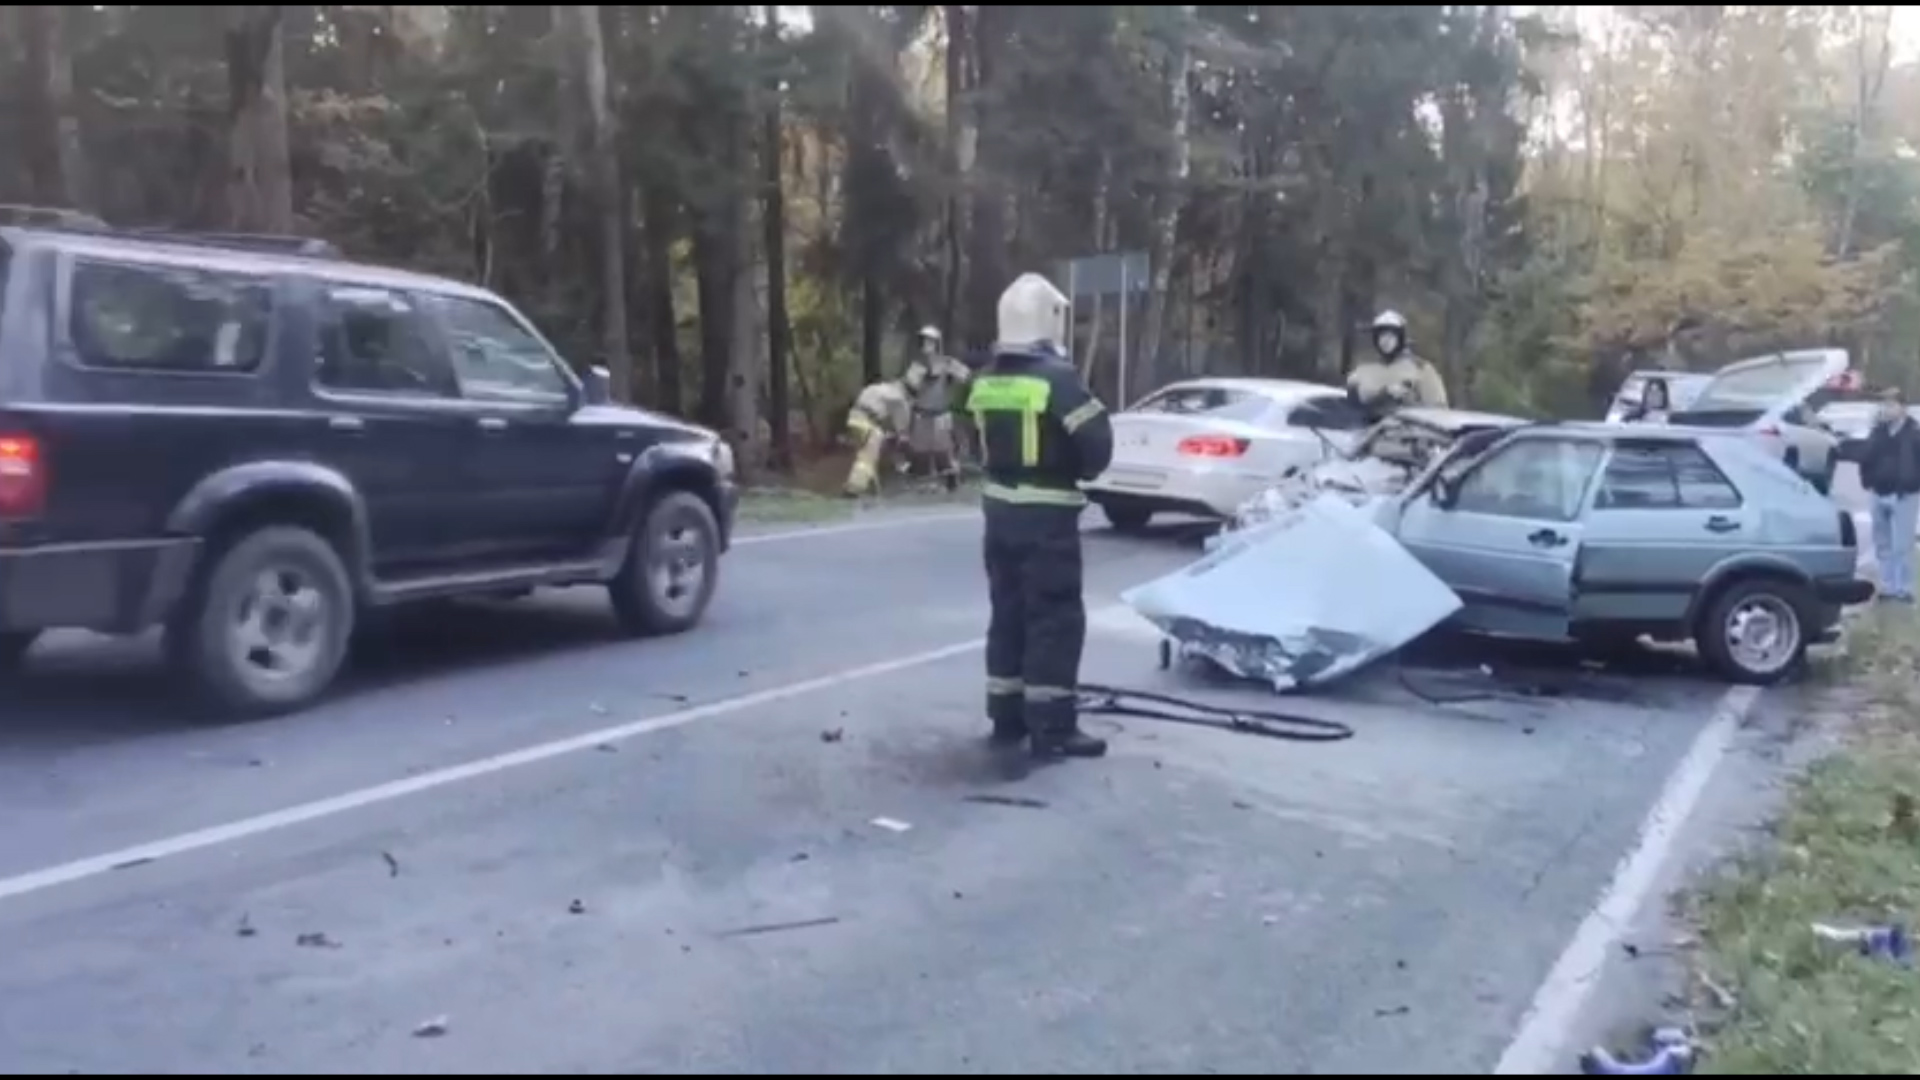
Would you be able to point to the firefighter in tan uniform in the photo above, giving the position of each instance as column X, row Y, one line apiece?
column 1399, row 377
column 934, row 380
column 883, row 411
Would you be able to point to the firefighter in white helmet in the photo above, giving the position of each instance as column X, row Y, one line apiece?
column 881, row 414
column 1041, row 432
column 1398, row 377
column 935, row 380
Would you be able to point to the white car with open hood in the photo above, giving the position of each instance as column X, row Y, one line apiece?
column 1205, row 446
column 1770, row 397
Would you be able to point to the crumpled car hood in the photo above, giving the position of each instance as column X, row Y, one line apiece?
column 1314, row 593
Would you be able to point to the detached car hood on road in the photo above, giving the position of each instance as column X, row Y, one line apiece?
column 1263, row 606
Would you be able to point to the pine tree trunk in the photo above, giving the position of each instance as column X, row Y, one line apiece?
column 259, row 180
column 774, row 221
column 62, row 179
column 589, row 47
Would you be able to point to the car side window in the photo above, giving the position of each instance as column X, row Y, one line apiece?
column 1537, row 479
column 1329, row 414
column 1670, row 477
column 154, row 317
column 496, row 358
column 1702, row 485
column 372, row 340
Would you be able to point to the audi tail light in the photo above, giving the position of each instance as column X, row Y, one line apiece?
column 1212, row 446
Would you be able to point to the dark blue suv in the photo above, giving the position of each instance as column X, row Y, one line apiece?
column 250, row 440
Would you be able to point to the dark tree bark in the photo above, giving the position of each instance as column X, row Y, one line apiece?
column 774, row 221
column 260, row 176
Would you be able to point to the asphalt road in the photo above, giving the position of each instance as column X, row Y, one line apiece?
column 808, row 880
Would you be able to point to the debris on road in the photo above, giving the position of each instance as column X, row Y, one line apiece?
column 1019, row 801
column 1389, row 1014
column 1671, row 1052
column 432, row 1029
column 890, row 825
column 1723, row 999
column 781, row 927
column 245, row 929
column 578, row 907
column 1889, row 943
column 393, row 864
column 833, row 735
column 607, row 748
column 1263, row 605
column 132, row 864
column 316, row 941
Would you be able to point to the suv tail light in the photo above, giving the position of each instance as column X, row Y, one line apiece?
column 1214, row 446
column 1849, row 532
column 23, row 477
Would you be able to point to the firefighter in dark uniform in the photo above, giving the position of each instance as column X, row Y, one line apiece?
column 1041, row 431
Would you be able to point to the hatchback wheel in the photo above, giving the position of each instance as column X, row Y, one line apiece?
column 267, row 630
column 671, row 568
column 1755, row 631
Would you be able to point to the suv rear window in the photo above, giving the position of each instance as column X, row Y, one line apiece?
column 149, row 317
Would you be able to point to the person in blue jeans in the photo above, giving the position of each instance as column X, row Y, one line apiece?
column 1890, row 471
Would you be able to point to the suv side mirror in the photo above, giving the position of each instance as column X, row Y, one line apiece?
column 598, row 386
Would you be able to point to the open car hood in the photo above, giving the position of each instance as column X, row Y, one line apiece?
column 1812, row 370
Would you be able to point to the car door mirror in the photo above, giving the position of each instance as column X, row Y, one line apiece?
column 598, row 386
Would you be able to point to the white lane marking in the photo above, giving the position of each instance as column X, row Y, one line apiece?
column 80, row 869
column 853, row 527
column 1541, row 1048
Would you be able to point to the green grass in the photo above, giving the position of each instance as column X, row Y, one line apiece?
column 1845, row 851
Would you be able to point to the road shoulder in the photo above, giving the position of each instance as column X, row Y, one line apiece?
column 1802, row 825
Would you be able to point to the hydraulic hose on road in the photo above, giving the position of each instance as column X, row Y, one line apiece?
column 1117, row 701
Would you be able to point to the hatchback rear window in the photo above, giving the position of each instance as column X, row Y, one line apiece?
column 151, row 317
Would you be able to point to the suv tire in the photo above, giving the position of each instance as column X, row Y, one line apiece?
column 672, row 565
column 278, row 598
column 1771, row 609
column 13, row 647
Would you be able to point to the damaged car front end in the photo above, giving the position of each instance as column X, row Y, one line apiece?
column 1550, row 532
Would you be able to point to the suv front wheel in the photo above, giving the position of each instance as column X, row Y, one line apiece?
column 267, row 629
column 671, row 568
column 1754, row 632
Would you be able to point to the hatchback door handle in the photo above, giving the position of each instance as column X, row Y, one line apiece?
column 492, row 425
column 1546, row 538
column 1721, row 524
column 352, row 425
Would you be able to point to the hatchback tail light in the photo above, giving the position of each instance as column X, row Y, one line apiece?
column 1212, row 446
column 23, row 477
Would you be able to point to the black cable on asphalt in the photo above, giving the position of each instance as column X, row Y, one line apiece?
column 1266, row 723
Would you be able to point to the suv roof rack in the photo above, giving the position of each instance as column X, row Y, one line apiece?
column 56, row 216
column 262, row 242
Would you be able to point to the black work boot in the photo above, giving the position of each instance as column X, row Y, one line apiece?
column 1008, row 713
column 1057, row 734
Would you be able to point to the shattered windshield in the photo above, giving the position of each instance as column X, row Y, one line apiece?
column 1405, row 442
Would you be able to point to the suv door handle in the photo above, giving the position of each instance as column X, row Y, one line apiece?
column 1547, row 538
column 1720, row 523
column 492, row 425
column 351, row 425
